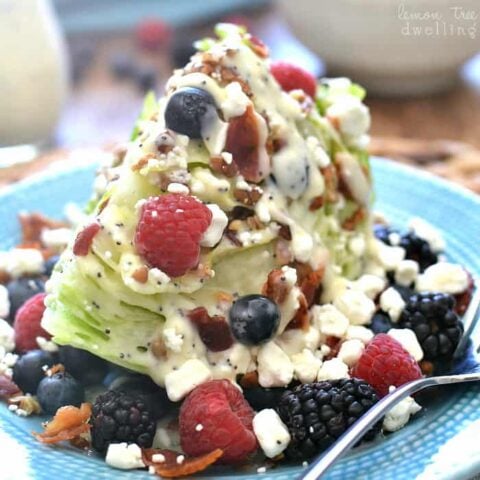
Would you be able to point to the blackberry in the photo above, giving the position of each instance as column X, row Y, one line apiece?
column 433, row 319
column 416, row 248
column 316, row 414
column 405, row 292
column 119, row 417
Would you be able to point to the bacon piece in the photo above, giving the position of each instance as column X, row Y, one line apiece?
column 250, row 380
column 309, row 281
column 285, row 232
column 316, row 203
column 4, row 277
column 352, row 222
column 214, row 331
column 140, row 274
column 247, row 197
column 243, row 142
column 331, row 183
column 257, row 46
column 462, row 300
column 219, row 165
column 68, row 423
column 8, row 388
column 32, row 225
column 142, row 162
column 300, row 320
column 334, row 343
column 171, row 468
column 276, row 287
column 84, row 239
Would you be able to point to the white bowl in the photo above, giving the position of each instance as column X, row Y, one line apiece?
column 392, row 47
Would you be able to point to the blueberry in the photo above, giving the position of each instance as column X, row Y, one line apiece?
column 137, row 385
column 28, row 371
column 50, row 265
column 254, row 319
column 260, row 398
column 381, row 323
column 189, row 110
column 145, row 78
column 20, row 290
column 82, row 365
column 59, row 390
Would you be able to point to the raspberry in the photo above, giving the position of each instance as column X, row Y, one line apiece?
column 291, row 77
column 27, row 324
column 384, row 363
column 225, row 418
column 169, row 232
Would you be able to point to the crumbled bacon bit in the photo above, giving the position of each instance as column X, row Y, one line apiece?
column 357, row 217
column 8, row 388
column 171, row 467
column 334, row 344
column 243, row 142
column 250, row 380
column 276, row 287
column 257, row 46
column 426, row 367
column 241, row 213
column 165, row 142
column 4, row 277
column 32, row 225
column 316, row 203
column 254, row 223
column 300, row 320
column 68, row 423
column 285, row 232
column 140, row 274
column 158, row 348
column 213, row 330
column 331, row 183
column 219, row 165
column 283, row 252
column 57, row 368
column 247, row 197
column 84, row 239
column 142, row 162
column 309, row 281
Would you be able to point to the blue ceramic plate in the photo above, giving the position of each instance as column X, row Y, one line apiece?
column 401, row 193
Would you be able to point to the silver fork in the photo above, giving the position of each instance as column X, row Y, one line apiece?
column 319, row 466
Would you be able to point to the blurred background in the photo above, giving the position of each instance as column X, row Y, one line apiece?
column 73, row 72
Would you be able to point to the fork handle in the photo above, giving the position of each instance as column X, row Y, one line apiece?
column 364, row 423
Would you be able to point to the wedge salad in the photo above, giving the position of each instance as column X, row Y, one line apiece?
column 229, row 284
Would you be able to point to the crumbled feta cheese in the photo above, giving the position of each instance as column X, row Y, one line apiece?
column 429, row 233
column 198, row 427
column 443, row 277
column 7, row 336
column 214, row 232
column 305, row 366
column 295, row 340
column 22, row 261
column 302, row 243
column 408, row 340
column 56, row 238
column 400, row 414
column 4, row 302
column 350, row 115
column 274, row 367
column 333, row 369
column 406, row 272
column 357, row 245
column 173, row 340
column 177, row 188
column 227, row 157
column 124, row 456
column 356, row 306
column 370, row 285
column 236, row 102
column 389, row 256
column 46, row 345
column 350, row 351
column 329, row 320
column 358, row 332
column 272, row 434
column 317, row 152
column 158, row 458
column 180, row 459
column 392, row 303
column 261, row 469
column 394, row 238
column 179, row 383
